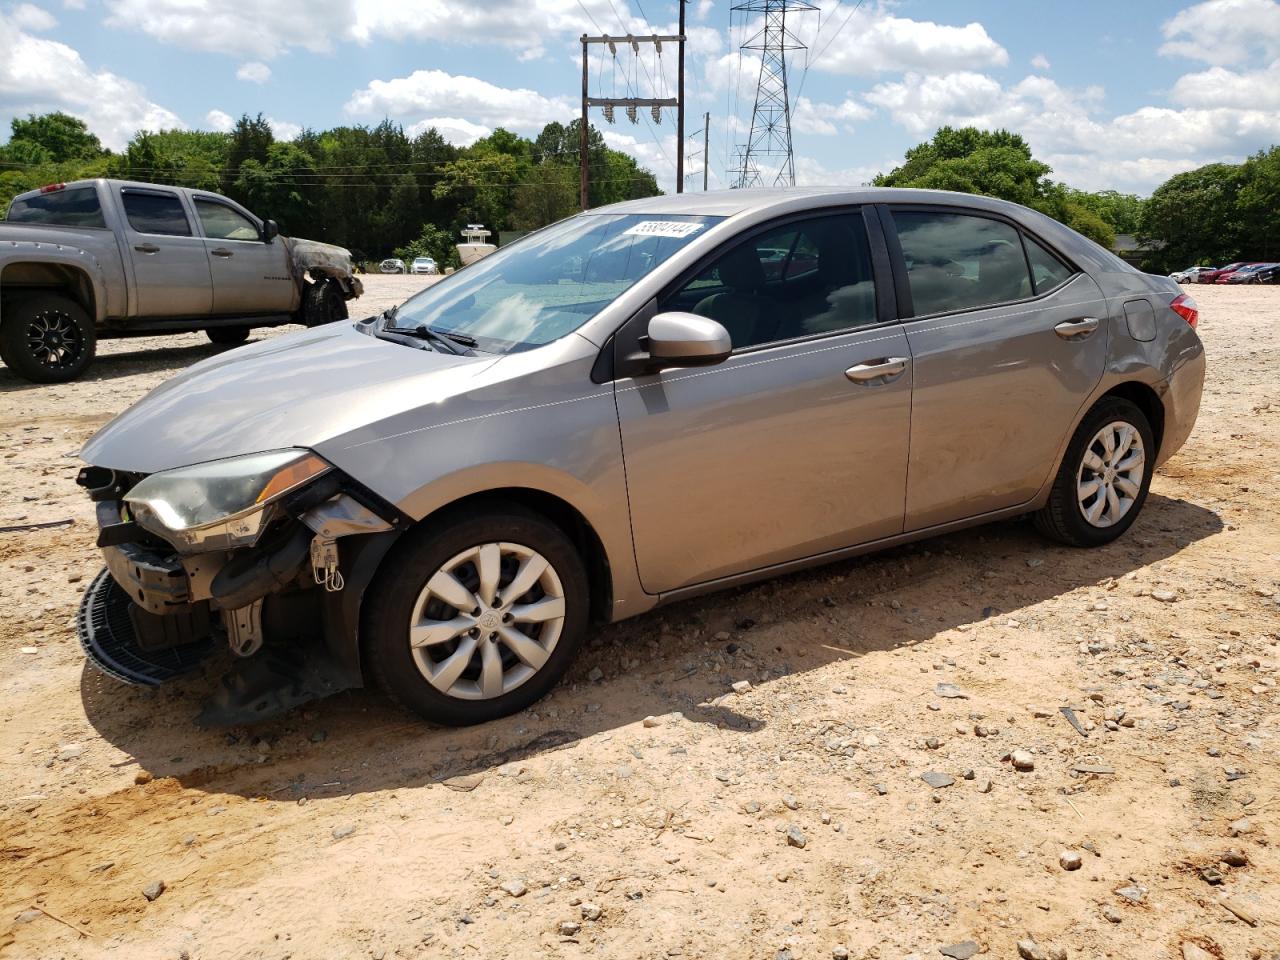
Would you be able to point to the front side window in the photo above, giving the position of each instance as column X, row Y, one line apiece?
column 156, row 213
column 74, row 207
column 802, row 279
column 550, row 283
column 959, row 262
column 220, row 222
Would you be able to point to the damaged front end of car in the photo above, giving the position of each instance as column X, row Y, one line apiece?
column 267, row 554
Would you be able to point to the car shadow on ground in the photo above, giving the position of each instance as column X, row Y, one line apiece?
column 127, row 363
column 655, row 664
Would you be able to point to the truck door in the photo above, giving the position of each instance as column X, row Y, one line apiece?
column 250, row 276
column 170, row 268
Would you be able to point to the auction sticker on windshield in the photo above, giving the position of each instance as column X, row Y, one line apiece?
column 663, row 228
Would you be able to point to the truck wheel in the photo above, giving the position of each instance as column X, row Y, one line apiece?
column 46, row 337
column 323, row 303
column 228, row 336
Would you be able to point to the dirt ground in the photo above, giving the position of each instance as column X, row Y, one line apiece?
column 655, row 813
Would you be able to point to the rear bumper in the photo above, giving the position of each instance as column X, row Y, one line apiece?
column 1182, row 394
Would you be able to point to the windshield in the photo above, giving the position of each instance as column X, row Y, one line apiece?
column 549, row 283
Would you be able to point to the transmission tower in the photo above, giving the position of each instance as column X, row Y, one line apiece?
column 768, row 151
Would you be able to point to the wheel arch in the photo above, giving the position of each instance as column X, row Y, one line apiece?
column 68, row 279
column 1142, row 396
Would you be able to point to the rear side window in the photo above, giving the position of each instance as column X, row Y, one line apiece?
column 959, row 262
column 156, row 213
column 1047, row 271
column 75, row 207
column 220, row 222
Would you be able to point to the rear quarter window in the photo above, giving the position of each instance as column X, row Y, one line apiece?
column 74, row 207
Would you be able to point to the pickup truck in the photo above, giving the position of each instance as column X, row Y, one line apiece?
column 93, row 259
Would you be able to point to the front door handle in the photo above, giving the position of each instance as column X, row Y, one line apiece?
column 147, row 248
column 221, row 252
column 1077, row 329
column 881, row 371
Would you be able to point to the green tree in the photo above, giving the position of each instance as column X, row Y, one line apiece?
column 1193, row 218
column 282, row 188
column 433, row 242
column 547, row 194
column 64, row 137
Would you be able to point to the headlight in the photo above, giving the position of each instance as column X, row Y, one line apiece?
column 222, row 503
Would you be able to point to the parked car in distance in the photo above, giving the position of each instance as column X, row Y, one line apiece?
column 1211, row 274
column 391, row 265
column 1189, row 275
column 1244, row 270
column 513, row 452
column 1247, row 274
column 1269, row 274
column 424, row 265
column 93, row 259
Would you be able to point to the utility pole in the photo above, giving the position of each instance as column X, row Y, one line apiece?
column 706, row 147
column 631, row 104
column 582, row 133
column 769, row 141
column 680, row 108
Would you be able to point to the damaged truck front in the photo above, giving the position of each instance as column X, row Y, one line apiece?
column 95, row 259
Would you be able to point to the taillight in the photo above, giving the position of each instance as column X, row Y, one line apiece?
column 53, row 188
column 1186, row 308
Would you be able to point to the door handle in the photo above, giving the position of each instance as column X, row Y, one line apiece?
column 221, row 252
column 884, row 370
column 1077, row 329
column 146, row 248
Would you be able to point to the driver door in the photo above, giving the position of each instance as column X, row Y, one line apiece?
column 250, row 276
column 794, row 446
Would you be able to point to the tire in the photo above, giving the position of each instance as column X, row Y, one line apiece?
column 323, row 303
column 228, row 336
column 1065, row 517
column 46, row 337
column 402, row 596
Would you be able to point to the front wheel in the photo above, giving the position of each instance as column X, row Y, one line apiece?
column 46, row 337
column 323, row 303
column 1104, row 478
column 478, row 616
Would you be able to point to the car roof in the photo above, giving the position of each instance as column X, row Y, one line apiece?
column 727, row 203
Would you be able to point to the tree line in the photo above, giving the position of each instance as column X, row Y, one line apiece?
column 377, row 191
column 374, row 189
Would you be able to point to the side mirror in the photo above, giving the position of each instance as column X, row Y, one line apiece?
column 270, row 230
column 686, row 340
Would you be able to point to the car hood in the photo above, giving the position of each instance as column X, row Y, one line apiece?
column 298, row 390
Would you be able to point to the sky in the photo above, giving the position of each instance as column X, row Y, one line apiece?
column 1118, row 95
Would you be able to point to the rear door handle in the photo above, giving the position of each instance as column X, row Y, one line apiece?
column 221, row 252
column 1077, row 329
column 882, row 371
column 146, row 248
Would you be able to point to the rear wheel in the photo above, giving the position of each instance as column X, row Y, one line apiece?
column 228, row 336
column 323, row 304
column 46, row 337
column 1104, row 478
column 477, row 617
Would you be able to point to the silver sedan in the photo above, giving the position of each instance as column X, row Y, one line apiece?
column 636, row 405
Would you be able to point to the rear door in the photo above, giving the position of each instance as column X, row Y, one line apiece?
column 170, row 269
column 249, row 275
column 1007, row 341
column 794, row 446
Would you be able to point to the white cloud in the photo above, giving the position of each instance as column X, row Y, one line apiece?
column 436, row 93
column 283, row 129
column 812, row 173
column 1040, row 62
column 254, row 72
column 873, row 41
column 459, row 132
column 27, row 16
column 1224, row 32
column 261, row 30
column 220, row 121
column 827, row 119
column 37, row 74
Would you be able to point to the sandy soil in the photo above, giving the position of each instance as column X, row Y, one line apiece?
column 647, row 814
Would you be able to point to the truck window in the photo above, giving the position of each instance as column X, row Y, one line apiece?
column 220, row 222
column 76, row 207
column 156, row 213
